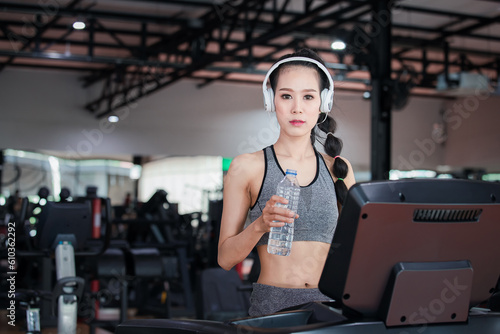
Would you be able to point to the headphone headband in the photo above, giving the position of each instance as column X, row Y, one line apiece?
column 326, row 95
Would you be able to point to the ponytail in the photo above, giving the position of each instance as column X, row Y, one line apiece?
column 333, row 147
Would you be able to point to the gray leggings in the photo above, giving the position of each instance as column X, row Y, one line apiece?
column 267, row 299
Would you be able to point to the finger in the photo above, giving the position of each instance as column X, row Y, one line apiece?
column 276, row 224
column 285, row 212
column 277, row 199
column 283, row 218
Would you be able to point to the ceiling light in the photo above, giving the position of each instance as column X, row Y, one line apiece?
column 79, row 25
column 338, row 45
column 113, row 119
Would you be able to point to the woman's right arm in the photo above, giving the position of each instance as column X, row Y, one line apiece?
column 235, row 241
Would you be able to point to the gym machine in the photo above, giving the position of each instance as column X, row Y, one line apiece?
column 156, row 235
column 64, row 231
column 407, row 256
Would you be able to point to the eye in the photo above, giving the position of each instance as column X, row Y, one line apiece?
column 308, row 97
column 286, row 96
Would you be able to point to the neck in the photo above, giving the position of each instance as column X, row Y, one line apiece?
column 297, row 148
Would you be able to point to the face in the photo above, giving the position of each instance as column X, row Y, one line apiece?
column 297, row 100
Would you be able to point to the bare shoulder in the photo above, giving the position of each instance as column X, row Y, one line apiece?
column 245, row 166
column 349, row 179
column 328, row 159
column 245, row 162
column 242, row 177
column 250, row 158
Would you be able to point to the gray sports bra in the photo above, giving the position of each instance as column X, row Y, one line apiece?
column 317, row 210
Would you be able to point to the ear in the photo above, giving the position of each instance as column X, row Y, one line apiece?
column 269, row 99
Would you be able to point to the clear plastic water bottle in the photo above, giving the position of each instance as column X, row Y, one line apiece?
column 280, row 238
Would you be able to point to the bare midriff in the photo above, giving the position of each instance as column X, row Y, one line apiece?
column 301, row 269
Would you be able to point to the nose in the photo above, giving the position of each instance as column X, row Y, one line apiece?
column 297, row 106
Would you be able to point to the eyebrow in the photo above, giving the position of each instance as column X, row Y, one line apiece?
column 304, row 90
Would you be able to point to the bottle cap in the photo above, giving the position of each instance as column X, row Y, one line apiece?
column 291, row 171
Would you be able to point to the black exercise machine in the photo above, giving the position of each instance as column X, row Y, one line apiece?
column 63, row 233
column 407, row 256
column 155, row 236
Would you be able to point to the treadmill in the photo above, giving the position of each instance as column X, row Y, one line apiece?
column 408, row 256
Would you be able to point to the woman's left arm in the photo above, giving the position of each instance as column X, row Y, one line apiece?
column 349, row 180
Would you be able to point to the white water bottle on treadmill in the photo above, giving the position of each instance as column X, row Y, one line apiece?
column 280, row 238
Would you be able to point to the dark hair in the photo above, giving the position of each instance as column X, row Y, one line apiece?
column 332, row 144
column 308, row 53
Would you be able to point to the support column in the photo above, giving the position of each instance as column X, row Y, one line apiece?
column 1, row 170
column 137, row 160
column 381, row 91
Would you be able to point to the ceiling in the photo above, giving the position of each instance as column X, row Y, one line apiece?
column 134, row 48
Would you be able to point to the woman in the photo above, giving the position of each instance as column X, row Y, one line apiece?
column 302, row 99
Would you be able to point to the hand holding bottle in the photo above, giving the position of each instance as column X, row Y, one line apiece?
column 280, row 238
column 275, row 213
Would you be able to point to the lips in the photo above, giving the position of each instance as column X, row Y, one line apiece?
column 296, row 122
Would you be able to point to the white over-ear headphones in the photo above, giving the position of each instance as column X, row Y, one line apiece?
column 326, row 95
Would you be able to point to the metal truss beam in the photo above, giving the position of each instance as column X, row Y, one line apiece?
column 148, row 59
column 39, row 31
column 72, row 11
column 206, row 59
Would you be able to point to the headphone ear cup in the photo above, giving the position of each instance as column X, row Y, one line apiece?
column 268, row 99
column 326, row 100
